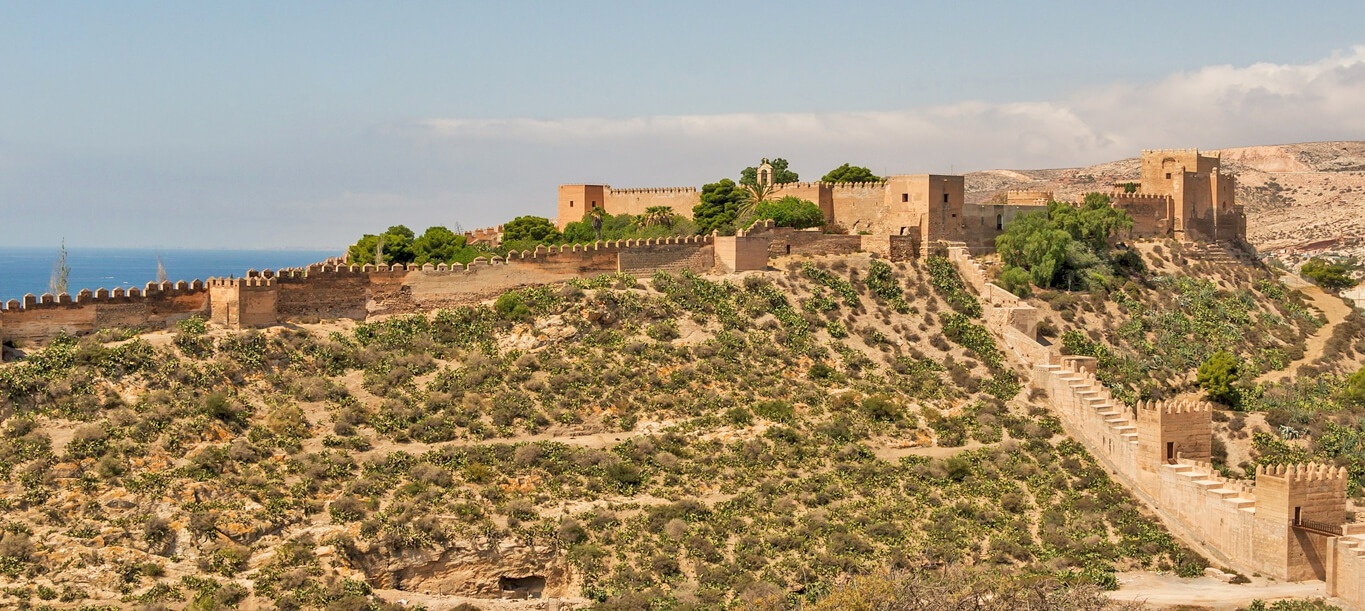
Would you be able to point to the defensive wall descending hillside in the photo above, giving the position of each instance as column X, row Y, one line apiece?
column 1289, row 524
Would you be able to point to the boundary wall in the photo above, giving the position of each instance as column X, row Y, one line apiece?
column 156, row 305
column 1289, row 524
column 333, row 289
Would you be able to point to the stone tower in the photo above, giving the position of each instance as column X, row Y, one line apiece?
column 765, row 173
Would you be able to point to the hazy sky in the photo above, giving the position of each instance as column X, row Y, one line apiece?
column 299, row 124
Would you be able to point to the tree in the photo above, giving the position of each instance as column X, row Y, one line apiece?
column 1330, row 276
column 781, row 175
column 61, row 273
column 392, row 246
column 850, row 173
column 531, row 229
column 1218, row 376
column 1030, row 243
column 791, row 212
column 658, row 215
column 753, row 196
column 1064, row 246
column 439, row 245
column 719, row 206
column 594, row 216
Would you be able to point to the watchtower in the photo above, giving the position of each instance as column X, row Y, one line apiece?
column 1170, row 430
column 1298, row 508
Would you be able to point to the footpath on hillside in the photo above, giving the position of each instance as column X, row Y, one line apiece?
column 1333, row 309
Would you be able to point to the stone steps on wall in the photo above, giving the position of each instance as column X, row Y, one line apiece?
column 1204, row 479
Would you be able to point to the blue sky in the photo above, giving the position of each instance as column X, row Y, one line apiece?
column 270, row 124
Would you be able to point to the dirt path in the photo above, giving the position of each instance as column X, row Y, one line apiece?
column 1167, row 591
column 1331, row 306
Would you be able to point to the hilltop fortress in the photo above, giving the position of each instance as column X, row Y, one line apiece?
column 1181, row 193
column 1289, row 523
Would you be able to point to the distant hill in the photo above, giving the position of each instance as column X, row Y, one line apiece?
column 1295, row 194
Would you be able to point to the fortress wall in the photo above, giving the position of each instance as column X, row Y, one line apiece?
column 634, row 201
column 858, row 206
column 817, row 192
column 892, row 247
column 742, row 252
column 157, row 305
column 1217, row 511
column 667, row 257
column 1346, row 569
column 324, row 291
column 1151, row 213
column 984, row 222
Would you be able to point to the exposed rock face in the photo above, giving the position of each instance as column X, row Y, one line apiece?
column 474, row 570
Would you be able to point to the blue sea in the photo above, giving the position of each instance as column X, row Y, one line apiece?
column 29, row 270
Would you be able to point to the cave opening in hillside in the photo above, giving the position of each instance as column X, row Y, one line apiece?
column 531, row 586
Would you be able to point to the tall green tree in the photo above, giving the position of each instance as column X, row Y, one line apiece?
column 850, row 173
column 392, row 246
column 532, row 229
column 781, row 174
column 595, row 216
column 439, row 245
column 1064, row 246
column 719, row 206
column 1328, row 275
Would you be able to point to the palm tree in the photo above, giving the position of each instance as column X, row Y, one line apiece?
column 595, row 215
column 657, row 215
column 753, row 196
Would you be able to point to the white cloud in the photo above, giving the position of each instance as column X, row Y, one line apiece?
column 1212, row 107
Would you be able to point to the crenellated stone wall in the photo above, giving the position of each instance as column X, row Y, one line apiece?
column 1288, row 524
column 153, row 307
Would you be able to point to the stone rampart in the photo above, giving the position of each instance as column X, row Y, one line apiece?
column 152, row 307
column 1288, row 525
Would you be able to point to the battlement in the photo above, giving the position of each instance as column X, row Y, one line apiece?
column 1303, row 472
column 1138, row 197
column 1190, row 151
column 248, row 282
column 1175, row 407
column 847, row 186
column 650, row 190
column 101, row 295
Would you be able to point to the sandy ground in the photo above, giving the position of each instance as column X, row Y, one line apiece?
column 439, row 603
column 1162, row 591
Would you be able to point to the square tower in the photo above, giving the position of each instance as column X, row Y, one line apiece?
column 1170, row 430
column 576, row 200
column 1298, row 507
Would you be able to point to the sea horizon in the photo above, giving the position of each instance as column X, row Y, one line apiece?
column 29, row 270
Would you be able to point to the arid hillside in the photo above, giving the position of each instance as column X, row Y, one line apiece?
column 1295, row 194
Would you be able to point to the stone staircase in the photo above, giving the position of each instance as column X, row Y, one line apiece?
column 1093, row 396
column 1216, row 252
column 1203, row 476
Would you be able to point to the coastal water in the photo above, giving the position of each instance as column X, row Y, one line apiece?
column 29, row 270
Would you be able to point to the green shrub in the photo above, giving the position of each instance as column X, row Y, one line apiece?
column 1219, row 377
column 1016, row 280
